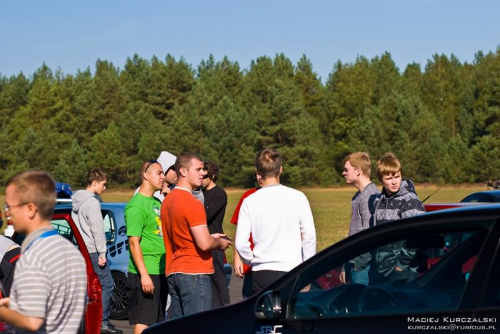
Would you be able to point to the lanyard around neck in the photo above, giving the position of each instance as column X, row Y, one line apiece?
column 41, row 236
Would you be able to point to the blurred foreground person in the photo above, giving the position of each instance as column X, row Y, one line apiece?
column 50, row 281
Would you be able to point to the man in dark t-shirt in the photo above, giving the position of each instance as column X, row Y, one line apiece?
column 215, row 207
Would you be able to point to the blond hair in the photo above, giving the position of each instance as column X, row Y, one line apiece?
column 388, row 164
column 360, row 160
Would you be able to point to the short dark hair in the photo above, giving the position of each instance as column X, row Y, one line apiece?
column 172, row 167
column 212, row 170
column 96, row 174
column 268, row 163
column 184, row 160
column 36, row 187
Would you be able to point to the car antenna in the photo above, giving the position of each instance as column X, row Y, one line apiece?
column 435, row 191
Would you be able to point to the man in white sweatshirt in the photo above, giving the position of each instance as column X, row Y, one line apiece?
column 88, row 218
column 280, row 221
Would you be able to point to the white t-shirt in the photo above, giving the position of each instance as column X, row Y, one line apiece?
column 281, row 223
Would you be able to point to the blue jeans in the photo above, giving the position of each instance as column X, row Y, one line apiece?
column 106, row 280
column 189, row 294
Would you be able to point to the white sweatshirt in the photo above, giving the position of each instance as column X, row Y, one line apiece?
column 280, row 221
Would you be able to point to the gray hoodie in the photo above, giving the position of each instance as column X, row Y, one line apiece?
column 88, row 218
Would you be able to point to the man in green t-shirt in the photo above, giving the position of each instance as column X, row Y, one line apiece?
column 146, row 279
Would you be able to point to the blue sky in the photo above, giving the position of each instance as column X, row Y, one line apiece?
column 72, row 35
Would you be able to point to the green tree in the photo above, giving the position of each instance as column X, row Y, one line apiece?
column 441, row 88
column 71, row 166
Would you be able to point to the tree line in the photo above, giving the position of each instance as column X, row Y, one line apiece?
column 442, row 121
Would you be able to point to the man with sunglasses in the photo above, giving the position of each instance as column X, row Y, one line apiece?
column 215, row 208
column 146, row 279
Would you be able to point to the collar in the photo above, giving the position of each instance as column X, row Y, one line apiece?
column 33, row 236
column 182, row 188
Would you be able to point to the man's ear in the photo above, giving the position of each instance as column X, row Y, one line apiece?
column 32, row 209
column 281, row 170
column 182, row 172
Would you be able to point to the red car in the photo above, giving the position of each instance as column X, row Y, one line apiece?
column 65, row 226
column 443, row 206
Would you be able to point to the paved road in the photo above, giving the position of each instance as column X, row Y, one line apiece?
column 234, row 292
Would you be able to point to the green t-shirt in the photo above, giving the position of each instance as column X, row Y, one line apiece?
column 142, row 218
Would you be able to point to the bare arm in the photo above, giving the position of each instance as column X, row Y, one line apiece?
column 136, row 253
column 18, row 320
column 238, row 264
column 207, row 242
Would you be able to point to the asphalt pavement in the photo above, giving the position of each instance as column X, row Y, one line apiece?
column 234, row 293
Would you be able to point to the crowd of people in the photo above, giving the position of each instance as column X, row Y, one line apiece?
column 177, row 242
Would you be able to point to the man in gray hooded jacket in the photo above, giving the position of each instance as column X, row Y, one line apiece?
column 88, row 218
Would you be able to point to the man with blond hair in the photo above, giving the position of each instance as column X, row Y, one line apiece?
column 50, row 281
column 398, row 200
column 280, row 221
column 357, row 171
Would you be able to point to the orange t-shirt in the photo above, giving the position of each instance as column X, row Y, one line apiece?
column 180, row 212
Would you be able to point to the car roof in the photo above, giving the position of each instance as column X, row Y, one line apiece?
column 104, row 205
column 492, row 193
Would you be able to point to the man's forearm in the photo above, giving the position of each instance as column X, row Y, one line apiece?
column 20, row 321
column 137, row 257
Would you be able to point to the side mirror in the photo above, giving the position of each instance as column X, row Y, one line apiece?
column 268, row 306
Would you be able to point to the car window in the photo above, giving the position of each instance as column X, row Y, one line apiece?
column 109, row 226
column 478, row 198
column 421, row 272
column 63, row 228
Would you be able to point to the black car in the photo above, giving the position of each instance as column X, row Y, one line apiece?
column 451, row 282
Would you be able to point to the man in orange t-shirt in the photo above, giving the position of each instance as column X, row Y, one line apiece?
column 188, row 243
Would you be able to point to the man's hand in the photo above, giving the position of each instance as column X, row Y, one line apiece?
column 238, row 265
column 147, row 284
column 5, row 302
column 102, row 262
column 342, row 277
column 223, row 241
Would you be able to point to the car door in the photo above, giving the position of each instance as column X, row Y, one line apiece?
column 64, row 225
column 489, row 308
column 118, row 257
column 444, row 265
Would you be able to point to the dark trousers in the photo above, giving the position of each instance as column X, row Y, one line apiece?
column 247, row 288
column 218, row 280
column 263, row 278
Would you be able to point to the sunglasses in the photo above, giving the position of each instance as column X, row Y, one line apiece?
column 205, row 177
column 150, row 162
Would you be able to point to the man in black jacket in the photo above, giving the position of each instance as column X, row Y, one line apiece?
column 215, row 207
